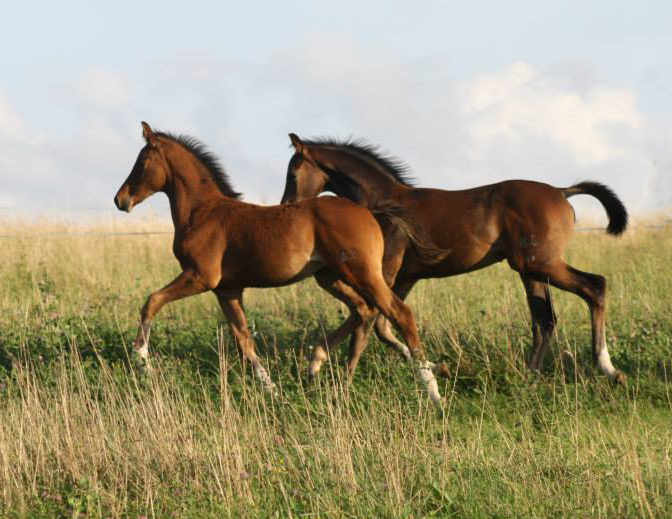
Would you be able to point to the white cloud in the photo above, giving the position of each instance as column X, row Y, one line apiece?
column 521, row 103
column 557, row 125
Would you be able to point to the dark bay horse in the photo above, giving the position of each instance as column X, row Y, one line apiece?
column 225, row 245
column 527, row 223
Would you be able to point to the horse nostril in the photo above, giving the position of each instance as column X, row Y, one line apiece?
column 122, row 202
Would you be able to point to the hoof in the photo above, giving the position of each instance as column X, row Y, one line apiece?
column 405, row 352
column 314, row 369
column 311, row 375
column 318, row 357
column 620, row 379
column 441, row 370
column 310, row 378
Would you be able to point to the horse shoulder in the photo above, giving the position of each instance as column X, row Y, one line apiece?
column 201, row 249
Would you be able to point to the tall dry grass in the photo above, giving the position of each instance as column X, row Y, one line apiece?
column 84, row 434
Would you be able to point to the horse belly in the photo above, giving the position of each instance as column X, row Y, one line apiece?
column 469, row 256
column 269, row 270
column 461, row 265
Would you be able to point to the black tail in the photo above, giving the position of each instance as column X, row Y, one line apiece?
column 618, row 215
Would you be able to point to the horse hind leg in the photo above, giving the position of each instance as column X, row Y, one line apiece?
column 374, row 289
column 395, row 246
column 359, row 264
column 357, row 323
column 396, row 242
column 592, row 289
column 383, row 327
column 543, row 319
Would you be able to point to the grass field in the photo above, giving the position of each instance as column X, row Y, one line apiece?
column 83, row 433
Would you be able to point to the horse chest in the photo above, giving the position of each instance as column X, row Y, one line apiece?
column 180, row 253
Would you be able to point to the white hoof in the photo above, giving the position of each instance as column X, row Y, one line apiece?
column 143, row 352
column 605, row 365
column 265, row 379
column 314, row 368
column 427, row 376
column 317, row 359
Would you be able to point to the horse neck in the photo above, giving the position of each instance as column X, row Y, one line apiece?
column 373, row 186
column 189, row 188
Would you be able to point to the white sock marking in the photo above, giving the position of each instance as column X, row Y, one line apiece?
column 604, row 363
column 314, row 367
column 427, row 376
column 143, row 351
column 264, row 377
column 318, row 357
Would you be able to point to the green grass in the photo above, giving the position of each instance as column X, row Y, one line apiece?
column 84, row 434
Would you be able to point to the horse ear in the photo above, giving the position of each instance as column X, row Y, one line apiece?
column 148, row 134
column 296, row 142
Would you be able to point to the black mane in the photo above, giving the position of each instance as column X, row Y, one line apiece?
column 394, row 167
column 208, row 159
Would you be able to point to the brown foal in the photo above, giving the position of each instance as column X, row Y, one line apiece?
column 527, row 223
column 225, row 245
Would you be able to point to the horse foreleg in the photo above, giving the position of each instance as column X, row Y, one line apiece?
column 384, row 332
column 184, row 285
column 231, row 303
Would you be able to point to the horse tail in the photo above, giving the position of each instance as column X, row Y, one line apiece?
column 420, row 240
column 618, row 215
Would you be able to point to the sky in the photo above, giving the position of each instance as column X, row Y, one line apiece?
column 467, row 93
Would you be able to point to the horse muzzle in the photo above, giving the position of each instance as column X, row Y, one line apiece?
column 124, row 202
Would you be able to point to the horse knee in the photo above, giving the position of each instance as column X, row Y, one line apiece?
column 601, row 287
column 149, row 308
column 598, row 291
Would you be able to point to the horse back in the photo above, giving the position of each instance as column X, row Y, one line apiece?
column 484, row 209
column 485, row 224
